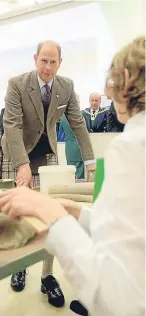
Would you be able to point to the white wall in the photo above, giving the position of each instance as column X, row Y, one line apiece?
column 89, row 35
column 86, row 50
column 126, row 19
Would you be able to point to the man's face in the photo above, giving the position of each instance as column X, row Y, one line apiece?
column 47, row 62
column 95, row 100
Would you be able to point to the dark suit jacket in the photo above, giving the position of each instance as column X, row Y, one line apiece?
column 98, row 125
column 113, row 125
column 24, row 117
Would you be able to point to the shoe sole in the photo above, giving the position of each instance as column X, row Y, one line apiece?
column 17, row 290
column 43, row 291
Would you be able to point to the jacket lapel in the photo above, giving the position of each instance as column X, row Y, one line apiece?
column 35, row 95
column 55, row 99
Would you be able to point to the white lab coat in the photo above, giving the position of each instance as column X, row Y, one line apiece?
column 104, row 259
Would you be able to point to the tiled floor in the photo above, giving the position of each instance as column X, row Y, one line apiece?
column 31, row 302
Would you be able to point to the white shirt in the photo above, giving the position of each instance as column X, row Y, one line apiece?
column 104, row 259
column 42, row 83
column 95, row 111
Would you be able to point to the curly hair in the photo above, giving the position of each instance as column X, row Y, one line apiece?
column 131, row 57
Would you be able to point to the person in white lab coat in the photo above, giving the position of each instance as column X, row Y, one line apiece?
column 102, row 250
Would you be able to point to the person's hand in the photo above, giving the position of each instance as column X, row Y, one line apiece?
column 22, row 201
column 71, row 207
column 90, row 171
column 24, row 176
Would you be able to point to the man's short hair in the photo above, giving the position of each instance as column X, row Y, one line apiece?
column 93, row 94
column 49, row 42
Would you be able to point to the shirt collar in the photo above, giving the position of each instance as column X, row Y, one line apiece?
column 42, row 83
column 95, row 111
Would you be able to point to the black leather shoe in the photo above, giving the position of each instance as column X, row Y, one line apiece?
column 78, row 308
column 18, row 281
column 51, row 287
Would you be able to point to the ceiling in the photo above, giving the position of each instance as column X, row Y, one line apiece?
column 12, row 5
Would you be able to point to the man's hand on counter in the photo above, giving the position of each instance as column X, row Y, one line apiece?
column 90, row 172
column 24, row 176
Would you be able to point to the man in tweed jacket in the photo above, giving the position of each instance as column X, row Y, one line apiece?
column 30, row 134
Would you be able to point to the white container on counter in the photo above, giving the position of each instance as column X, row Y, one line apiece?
column 51, row 175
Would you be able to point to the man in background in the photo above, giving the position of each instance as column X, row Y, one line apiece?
column 34, row 102
column 95, row 116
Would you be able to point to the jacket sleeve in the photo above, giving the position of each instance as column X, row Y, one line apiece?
column 78, row 126
column 13, row 125
column 87, row 121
